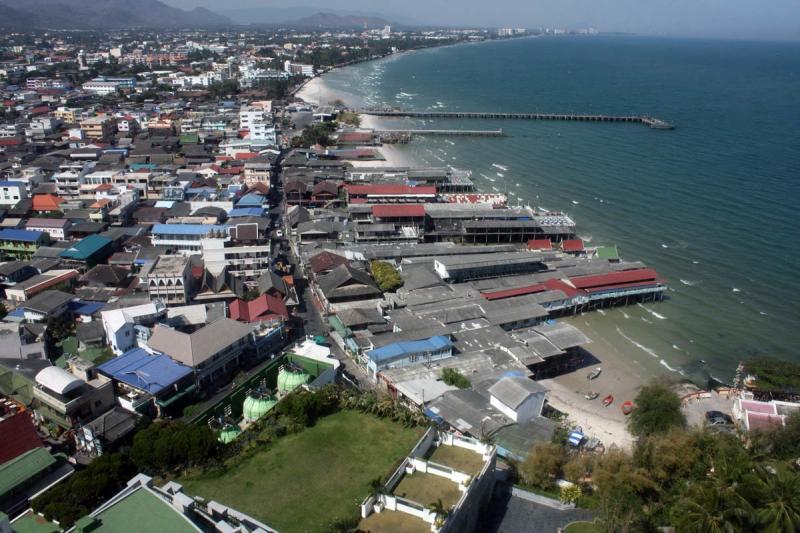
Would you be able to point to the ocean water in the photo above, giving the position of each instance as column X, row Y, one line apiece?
column 712, row 205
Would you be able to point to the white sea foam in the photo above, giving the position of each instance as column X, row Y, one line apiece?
column 736, row 290
column 664, row 246
column 625, row 314
column 501, row 175
column 646, row 321
column 576, row 202
column 601, row 312
column 658, row 316
column 638, row 344
column 688, row 282
column 665, row 365
column 501, row 167
column 675, row 346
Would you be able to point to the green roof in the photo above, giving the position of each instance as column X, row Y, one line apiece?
column 607, row 252
column 86, row 248
column 190, row 138
column 30, row 522
column 144, row 509
column 17, row 471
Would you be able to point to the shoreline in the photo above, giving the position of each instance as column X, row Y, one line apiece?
column 626, row 365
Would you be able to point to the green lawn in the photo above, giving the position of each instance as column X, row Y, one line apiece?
column 306, row 480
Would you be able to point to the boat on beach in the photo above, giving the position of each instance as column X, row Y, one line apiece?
column 608, row 400
column 627, row 407
column 594, row 374
column 591, row 395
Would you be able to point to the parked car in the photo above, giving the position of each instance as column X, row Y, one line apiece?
column 718, row 418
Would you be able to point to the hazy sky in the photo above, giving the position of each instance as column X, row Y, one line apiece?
column 715, row 18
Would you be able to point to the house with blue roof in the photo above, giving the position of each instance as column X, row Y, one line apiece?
column 252, row 200
column 246, row 212
column 148, row 383
column 21, row 244
column 407, row 353
column 185, row 238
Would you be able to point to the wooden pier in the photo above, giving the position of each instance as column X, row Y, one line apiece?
column 651, row 122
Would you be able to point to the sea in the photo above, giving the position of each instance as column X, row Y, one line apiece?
column 711, row 205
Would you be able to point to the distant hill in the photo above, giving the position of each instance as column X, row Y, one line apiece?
column 98, row 14
column 332, row 21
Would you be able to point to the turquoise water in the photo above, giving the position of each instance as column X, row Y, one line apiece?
column 711, row 205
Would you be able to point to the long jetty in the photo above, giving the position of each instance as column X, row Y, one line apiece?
column 655, row 123
column 472, row 133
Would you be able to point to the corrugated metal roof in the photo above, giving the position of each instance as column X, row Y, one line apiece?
column 398, row 210
column 187, row 229
column 20, row 235
column 399, row 349
column 22, row 468
column 615, row 278
column 151, row 373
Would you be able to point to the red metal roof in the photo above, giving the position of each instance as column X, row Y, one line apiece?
column 398, row 211
column 540, row 244
column 638, row 275
column 356, row 136
column 548, row 285
column 390, row 189
column 19, row 436
column 763, row 421
column 246, row 155
column 572, row 245
column 264, row 307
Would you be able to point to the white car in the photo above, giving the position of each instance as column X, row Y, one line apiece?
column 279, row 233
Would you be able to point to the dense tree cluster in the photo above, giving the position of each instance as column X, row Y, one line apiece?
column 386, row 276
column 700, row 480
column 318, row 133
column 159, row 448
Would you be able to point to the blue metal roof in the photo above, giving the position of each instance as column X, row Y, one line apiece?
column 187, row 229
column 246, row 212
column 251, row 200
column 11, row 184
column 23, row 235
column 400, row 349
column 151, row 373
column 85, row 308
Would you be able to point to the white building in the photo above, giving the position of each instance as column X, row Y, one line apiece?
column 298, row 69
column 11, row 192
column 70, row 177
column 57, row 228
column 247, row 262
column 101, row 88
column 168, row 279
column 520, row 399
column 120, row 324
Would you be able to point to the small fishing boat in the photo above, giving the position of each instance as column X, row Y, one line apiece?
column 594, row 374
column 608, row 400
column 627, row 407
column 591, row 395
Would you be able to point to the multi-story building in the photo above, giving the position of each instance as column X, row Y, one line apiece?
column 99, row 128
column 121, row 325
column 186, row 238
column 57, row 228
column 70, row 177
column 11, row 192
column 245, row 262
column 296, row 69
column 257, row 171
column 101, row 88
column 21, row 244
column 168, row 280
column 67, row 400
column 213, row 351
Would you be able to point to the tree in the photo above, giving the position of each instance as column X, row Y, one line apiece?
column 386, row 276
column 453, row 377
column 706, row 510
column 657, row 410
column 543, row 465
column 3, row 310
column 777, row 496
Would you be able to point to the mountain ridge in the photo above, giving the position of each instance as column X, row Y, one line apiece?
column 100, row 14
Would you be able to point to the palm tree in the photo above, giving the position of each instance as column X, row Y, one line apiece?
column 778, row 496
column 705, row 509
column 441, row 513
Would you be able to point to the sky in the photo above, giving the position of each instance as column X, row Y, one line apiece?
column 749, row 19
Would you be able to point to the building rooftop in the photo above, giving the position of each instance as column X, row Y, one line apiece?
column 23, row 467
column 86, row 248
column 20, row 235
column 140, row 369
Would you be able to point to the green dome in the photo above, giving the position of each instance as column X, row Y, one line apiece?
column 289, row 378
column 229, row 434
column 256, row 406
